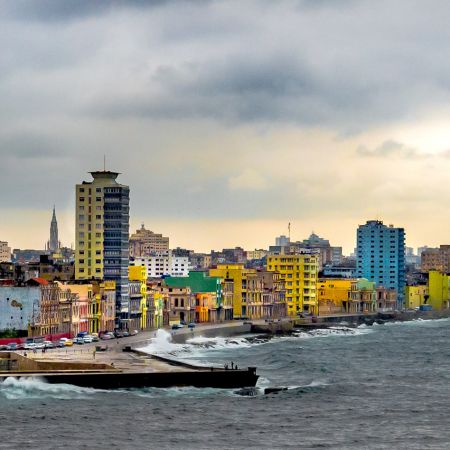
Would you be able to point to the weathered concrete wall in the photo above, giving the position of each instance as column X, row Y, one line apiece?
column 21, row 363
column 16, row 307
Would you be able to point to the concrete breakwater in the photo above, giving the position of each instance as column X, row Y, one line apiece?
column 114, row 370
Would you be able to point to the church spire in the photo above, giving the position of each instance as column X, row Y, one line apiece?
column 53, row 243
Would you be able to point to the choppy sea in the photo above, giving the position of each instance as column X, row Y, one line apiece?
column 380, row 387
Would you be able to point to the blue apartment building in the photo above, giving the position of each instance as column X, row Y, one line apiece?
column 381, row 256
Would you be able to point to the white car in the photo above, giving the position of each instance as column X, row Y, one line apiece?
column 30, row 346
column 62, row 342
column 48, row 344
column 88, row 339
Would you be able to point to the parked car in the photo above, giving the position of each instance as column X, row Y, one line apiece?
column 11, row 346
column 79, row 340
column 30, row 346
column 48, row 344
column 125, row 333
column 107, row 336
column 177, row 326
column 191, row 325
column 95, row 337
column 68, row 343
column 134, row 333
column 118, row 333
column 88, row 339
column 62, row 342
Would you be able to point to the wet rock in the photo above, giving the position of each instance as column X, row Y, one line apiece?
column 247, row 392
column 274, row 390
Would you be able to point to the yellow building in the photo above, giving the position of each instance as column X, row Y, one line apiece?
column 139, row 274
column 332, row 295
column 299, row 273
column 238, row 274
column 102, row 236
column 438, row 290
column 158, row 314
column 415, row 296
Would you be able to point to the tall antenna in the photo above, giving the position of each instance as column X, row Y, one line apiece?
column 104, row 163
column 289, row 231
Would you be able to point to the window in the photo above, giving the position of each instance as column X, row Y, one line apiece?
column 98, row 199
column 98, row 190
column 98, row 226
column 98, row 261
column 98, row 217
column 98, row 234
column 81, row 199
column 81, row 234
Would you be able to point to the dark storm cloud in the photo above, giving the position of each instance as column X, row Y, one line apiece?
column 344, row 65
column 29, row 146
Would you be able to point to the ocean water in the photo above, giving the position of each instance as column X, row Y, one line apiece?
column 380, row 387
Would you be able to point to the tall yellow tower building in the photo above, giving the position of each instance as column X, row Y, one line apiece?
column 102, row 235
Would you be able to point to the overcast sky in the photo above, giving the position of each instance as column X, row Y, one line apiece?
column 228, row 119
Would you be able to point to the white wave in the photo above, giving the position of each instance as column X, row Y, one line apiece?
column 195, row 347
column 219, row 342
column 418, row 322
column 333, row 332
column 32, row 387
column 262, row 383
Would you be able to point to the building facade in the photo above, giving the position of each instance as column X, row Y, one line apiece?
column 381, row 256
column 299, row 274
column 436, row 259
column 158, row 266
column 5, row 252
column 238, row 275
column 147, row 243
column 102, row 236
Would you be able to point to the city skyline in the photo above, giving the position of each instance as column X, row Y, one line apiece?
column 220, row 239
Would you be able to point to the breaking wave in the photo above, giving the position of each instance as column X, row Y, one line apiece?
column 334, row 331
column 162, row 344
column 29, row 388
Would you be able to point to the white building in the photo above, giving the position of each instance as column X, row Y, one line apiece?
column 282, row 241
column 5, row 252
column 161, row 265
